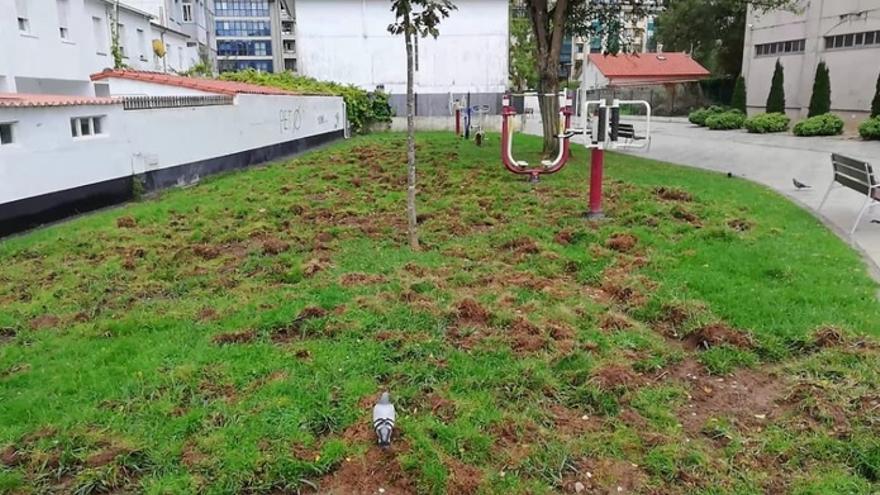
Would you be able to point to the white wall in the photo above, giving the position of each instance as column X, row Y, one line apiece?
column 592, row 77
column 46, row 158
column 347, row 41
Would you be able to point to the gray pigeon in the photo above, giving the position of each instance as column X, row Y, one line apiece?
column 799, row 185
column 383, row 419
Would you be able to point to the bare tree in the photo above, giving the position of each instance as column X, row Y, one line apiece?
column 415, row 18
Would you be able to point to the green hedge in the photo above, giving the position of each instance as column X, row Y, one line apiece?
column 700, row 115
column 820, row 125
column 767, row 122
column 732, row 119
column 362, row 107
column 870, row 129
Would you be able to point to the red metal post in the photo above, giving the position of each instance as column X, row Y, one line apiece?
column 457, row 121
column 597, row 165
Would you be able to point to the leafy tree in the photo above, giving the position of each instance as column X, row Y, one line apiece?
column 713, row 31
column 776, row 98
column 523, row 74
column 553, row 20
column 820, row 101
column 415, row 18
column 738, row 101
column 875, row 105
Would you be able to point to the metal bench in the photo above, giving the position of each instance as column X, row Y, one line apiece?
column 628, row 131
column 858, row 176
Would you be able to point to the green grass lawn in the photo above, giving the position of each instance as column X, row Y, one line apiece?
column 710, row 337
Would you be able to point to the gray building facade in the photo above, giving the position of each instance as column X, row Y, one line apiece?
column 845, row 34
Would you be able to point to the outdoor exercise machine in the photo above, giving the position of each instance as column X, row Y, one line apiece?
column 470, row 120
column 601, row 128
column 564, row 135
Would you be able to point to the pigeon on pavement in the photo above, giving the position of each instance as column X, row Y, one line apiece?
column 383, row 419
column 799, row 185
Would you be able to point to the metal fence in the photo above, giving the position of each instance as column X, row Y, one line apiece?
column 154, row 102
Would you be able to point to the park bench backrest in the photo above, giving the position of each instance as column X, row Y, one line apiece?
column 855, row 174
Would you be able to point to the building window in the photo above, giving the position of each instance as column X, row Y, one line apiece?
column 120, row 33
column 780, row 47
column 244, row 48
column 100, row 39
column 142, row 44
column 242, row 8
column 86, row 126
column 853, row 40
column 24, row 23
column 6, row 136
column 187, row 11
column 243, row 28
column 237, row 65
column 63, row 28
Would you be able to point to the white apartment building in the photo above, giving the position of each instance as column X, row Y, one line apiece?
column 52, row 46
column 195, row 18
column 845, row 34
column 348, row 41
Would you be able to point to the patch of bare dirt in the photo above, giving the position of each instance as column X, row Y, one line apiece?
column 604, row 476
column 616, row 377
column 563, row 337
column 239, row 337
column 829, row 337
column 191, row 456
column 11, row 457
column 717, row 334
column 274, row 246
column 106, row 456
column 293, row 331
column 207, row 314
column 526, row 337
column 470, row 312
column 681, row 213
column 521, row 245
column 748, row 397
column 613, row 322
column 126, row 222
column 315, row 265
column 570, row 422
column 463, row 479
column 440, row 407
column 740, row 224
column 45, row 321
column 357, row 278
column 564, row 237
column 377, row 471
column 621, row 242
column 673, row 194
column 206, row 251
column 811, row 399
column 6, row 334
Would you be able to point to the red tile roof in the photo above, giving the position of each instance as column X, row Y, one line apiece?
column 35, row 100
column 197, row 83
column 674, row 65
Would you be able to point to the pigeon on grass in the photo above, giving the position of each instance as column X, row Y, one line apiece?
column 383, row 420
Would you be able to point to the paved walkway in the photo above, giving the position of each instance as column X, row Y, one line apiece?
column 773, row 160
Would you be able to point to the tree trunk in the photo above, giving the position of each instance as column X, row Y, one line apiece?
column 549, row 104
column 549, row 29
column 411, row 144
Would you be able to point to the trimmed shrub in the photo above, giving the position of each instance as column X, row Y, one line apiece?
column 732, row 119
column 820, row 101
column 362, row 108
column 820, row 125
column 738, row 101
column 870, row 129
column 767, row 122
column 776, row 98
column 875, row 105
column 700, row 115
